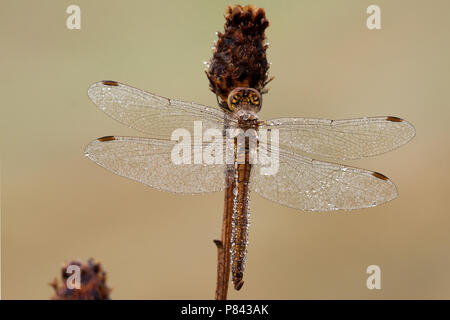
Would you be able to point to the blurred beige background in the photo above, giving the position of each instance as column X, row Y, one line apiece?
column 56, row 205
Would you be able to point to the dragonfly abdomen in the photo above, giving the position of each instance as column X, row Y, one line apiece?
column 240, row 222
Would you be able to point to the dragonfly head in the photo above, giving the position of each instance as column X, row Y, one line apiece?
column 244, row 98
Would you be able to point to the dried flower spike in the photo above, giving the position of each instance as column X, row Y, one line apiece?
column 239, row 58
column 92, row 283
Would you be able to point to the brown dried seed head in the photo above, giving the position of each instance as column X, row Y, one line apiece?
column 239, row 58
column 92, row 283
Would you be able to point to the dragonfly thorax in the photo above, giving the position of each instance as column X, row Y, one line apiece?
column 245, row 118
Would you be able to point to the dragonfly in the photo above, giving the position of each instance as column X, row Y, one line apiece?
column 301, row 181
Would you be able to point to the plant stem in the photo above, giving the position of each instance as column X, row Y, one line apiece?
column 224, row 245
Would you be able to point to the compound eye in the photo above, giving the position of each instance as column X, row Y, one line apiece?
column 254, row 99
column 234, row 101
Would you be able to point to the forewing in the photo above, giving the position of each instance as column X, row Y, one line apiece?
column 312, row 185
column 342, row 139
column 149, row 113
column 149, row 161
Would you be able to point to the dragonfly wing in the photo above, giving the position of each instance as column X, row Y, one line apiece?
column 342, row 139
column 149, row 113
column 149, row 161
column 312, row 185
